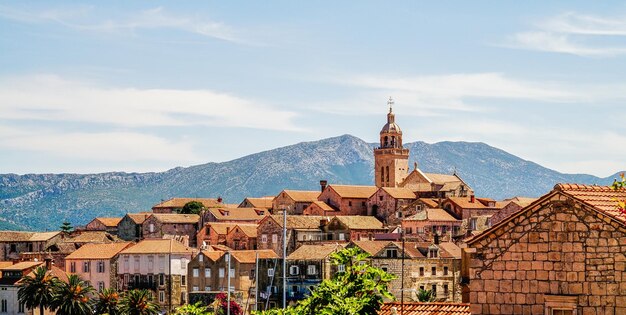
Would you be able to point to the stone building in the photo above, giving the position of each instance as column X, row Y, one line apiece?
column 428, row 266
column 300, row 229
column 307, row 267
column 233, row 215
column 387, row 204
column 510, row 206
column 159, row 265
column 429, row 222
column 475, row 212
column 174, row 205
column 183, row 226
column 208, row 273
column 130, row 227
column 242, row 237
column 215, row 233
column 96, row 263
column 347, row 199
column 352, row 228
column 261, row 203
column 391, row 159
column 103, row 224
column 295, row 201
column 563, row 254
column 13, row 243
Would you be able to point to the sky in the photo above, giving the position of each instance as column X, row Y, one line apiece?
column 143, row 86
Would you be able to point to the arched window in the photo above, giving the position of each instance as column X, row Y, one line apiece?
column 385, row 141
column 393, row 141
column 387, row 174
column 382, row 174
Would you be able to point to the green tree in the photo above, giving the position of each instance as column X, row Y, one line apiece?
column 107, row 302
column 359, row 290
column 192, row 207
column 66, row 227
column 621, row 184
column 73, row 297
column 192, row 309
column 38, row 290
column 138, row 302
column 425, row 295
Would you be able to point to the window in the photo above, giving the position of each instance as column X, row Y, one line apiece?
column 274, row 238
column 380, row 198
column 392, row 253
column 445, row 290
column 384, row 269
column 73, row 267
column 195, row 288
column 434, row 271
column 311, row 270
column 183, row 263
column 472, row 224
column 422, row 271
column 432, row 253
column 207, row 272
column 161, row 296
column 100, row 285
column 183, row 280
column 399, row 214
column 86, row 266
column 100, row 266
column 221, row 273
column 151, row 227
column 409, row 230
column 562, row 312
column 263, row 238
column 3, row 306
column 207, row 288
column 150, row 263
column 363, row 204
column 434, row 289
column 20, row 308
column 294, row 270
column 270, row 272
column 420, row 230
column 200, row 258
column 161, row 262
column 445, row 271
column 232, row 273
column 196, row 273
column 126, row 276
column 341, row 268
column 342, row 237
column 136, row 263
column 560, row 304
column 349, row 203
column 161, row 279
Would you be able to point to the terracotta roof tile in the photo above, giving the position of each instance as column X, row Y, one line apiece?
column 221, row 227
column 442, row 178
column 466, row 203
column 23, row 265
column 180, row 202
column 400, row 193
column 354, row 191
column 15, row 236
column 138, row 218
column 371, row 247
column 248, row 229
column 43, row 236
column 303, row 222
column 238, row 214
column 603, row 198
column 314, row 252
column 109, row 222
column 302, row 195
column 98, row 251
column 419, row 308
column 262, row 202
column 357, row 222
column 158, row 246
column 249, row 256
column 435, row 214
column 452, row 250
column 324, row 206
column 213, row 255
column 176, row 218
column 92, row 237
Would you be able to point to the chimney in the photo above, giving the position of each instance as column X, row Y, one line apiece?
column 472, row 198
column 48, row 260
column 323, row 184
column 219, row 199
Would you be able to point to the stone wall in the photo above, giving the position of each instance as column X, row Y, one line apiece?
column 557, row 248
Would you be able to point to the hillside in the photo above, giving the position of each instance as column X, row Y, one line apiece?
column 43, row 201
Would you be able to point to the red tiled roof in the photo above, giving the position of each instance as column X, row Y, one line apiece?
column 603, row 198
column 466, row 203
column 263, row 202
column 418, row 308
column 98, row 251
column 400, row 193
column 302, row 195
column 109, row 222
column 180, row 202
column 354, row 191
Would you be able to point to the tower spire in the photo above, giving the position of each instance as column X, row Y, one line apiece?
column 390, row 102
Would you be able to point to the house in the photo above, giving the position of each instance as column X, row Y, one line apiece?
column 159, row 265
column 427, row 266
column 96, row 263
column 234, row 215
column 320, row 208
column 261, row 203
column 510, row 206
column 13, row 243
column 352, row 228
column 295, row 201
column 430, row 308
column 103, row 224
column 565, row 253
column 387, row 203
column 207, row 273
column 433, row 185
column 475, row 212
column 181, row 226
column 215, row 233
column 427, row 223
column 174, row 205
column 242, row 237
column 348, row 199
column 307, row 267
column 270, row 279
column 300, row 229
column 130, row 227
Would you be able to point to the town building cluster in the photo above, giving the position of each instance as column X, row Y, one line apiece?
column 563, row 253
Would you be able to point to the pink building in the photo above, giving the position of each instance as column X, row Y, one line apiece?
column 348, row 199
column 96, row 263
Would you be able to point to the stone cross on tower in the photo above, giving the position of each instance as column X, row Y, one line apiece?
column 390, row 104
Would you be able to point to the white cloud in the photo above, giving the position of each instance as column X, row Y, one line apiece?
column 51, row 98
column 82, row 18
column 572, row 33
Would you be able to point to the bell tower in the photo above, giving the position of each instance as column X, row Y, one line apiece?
column 391, row 160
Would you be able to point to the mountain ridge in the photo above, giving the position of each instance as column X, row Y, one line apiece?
column 344, row 159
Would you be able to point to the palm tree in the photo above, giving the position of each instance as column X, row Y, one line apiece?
column 73, row 297
column 38, row 290
column 138, row 302
column 425, row 295
column 107, row 302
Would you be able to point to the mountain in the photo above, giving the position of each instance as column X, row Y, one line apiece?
column 43, row 201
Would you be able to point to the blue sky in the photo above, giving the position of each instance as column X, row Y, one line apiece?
column 149, row 85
